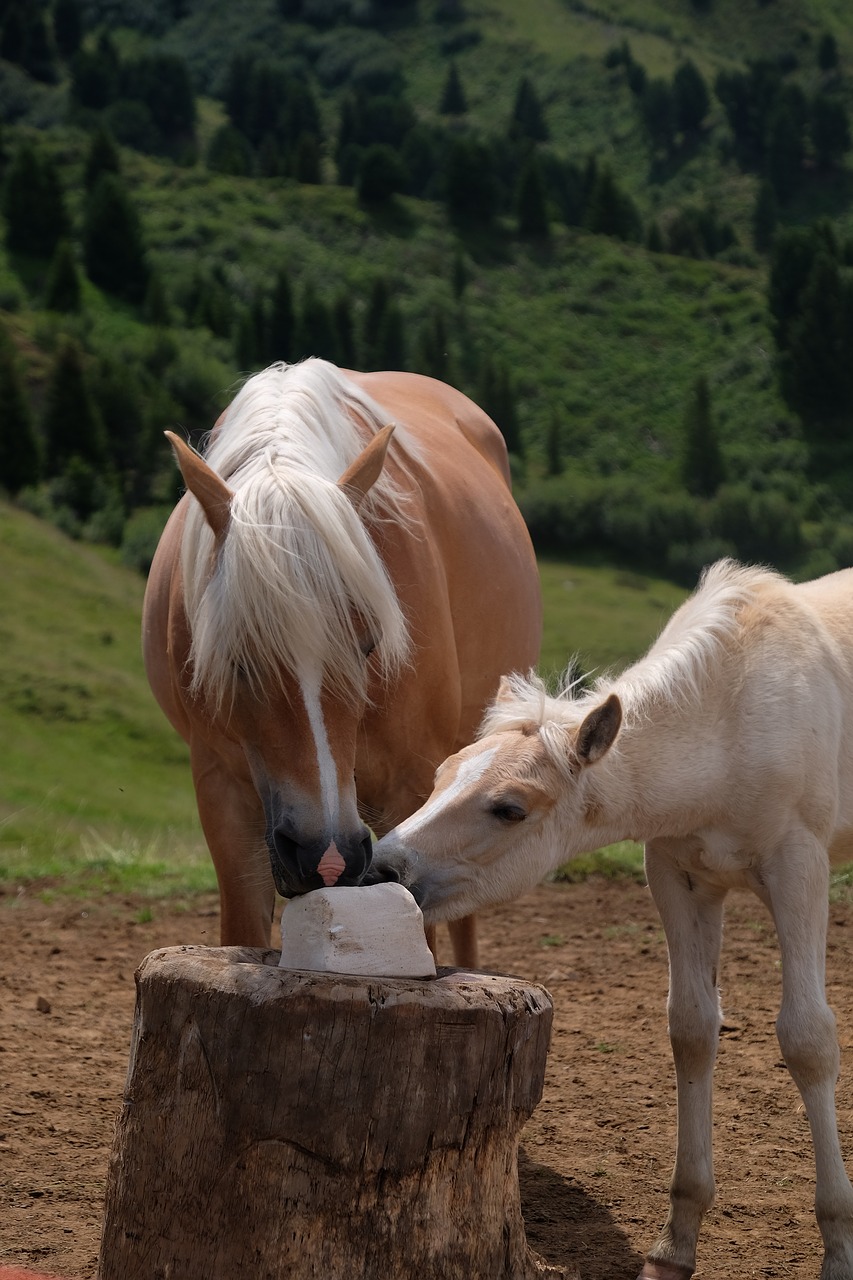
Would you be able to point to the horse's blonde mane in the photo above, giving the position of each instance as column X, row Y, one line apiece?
column 678, row 666
column 297, row 580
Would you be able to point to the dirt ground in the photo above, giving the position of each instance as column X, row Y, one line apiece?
column 595, row 1158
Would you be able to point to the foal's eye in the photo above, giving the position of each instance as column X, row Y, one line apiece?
column 509, row 812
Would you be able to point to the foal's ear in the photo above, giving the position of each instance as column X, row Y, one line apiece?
column 361, row 475
column 203, row 482
column 598, row 731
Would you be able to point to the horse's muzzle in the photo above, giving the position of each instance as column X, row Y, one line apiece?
column 298, row 867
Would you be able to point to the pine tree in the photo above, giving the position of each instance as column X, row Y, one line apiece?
column 528, row 118
column 657, row 105
column 62, row 292
column 113, row 246
column 67, row 27
column 345, row 331
column 377, row 304
column 459, row 275
column 702, row 468
column 316, row 331
column 553, row 447
column 101, row 157
column 380, row 175
column 531, row 205
column 453, row 101
column 20, row 451
column 155, row 308
column 827, row 52
column 34, row 203
column 496, row 396
column 71, row 424
column 471, row 182
column 433, row 352
column 691, row 100
column 765, row 217
column 282, row 322
column 830, row 130
column 391, row 339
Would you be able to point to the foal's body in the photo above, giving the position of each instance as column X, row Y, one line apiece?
column 322, row 688
column 728, row 751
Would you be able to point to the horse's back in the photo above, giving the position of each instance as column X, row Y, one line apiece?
column 417, row 401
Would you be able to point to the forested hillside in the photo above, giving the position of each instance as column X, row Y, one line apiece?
column 625, row 227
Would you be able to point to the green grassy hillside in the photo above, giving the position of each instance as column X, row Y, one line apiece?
column 95, row 784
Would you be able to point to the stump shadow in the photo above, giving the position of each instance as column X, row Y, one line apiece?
column 568, row 1228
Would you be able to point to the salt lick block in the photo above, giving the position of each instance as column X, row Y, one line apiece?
column 377, row 932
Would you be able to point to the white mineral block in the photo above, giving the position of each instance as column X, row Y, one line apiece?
column 377, row 931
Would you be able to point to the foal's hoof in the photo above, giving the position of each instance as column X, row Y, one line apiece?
column 664, row 1271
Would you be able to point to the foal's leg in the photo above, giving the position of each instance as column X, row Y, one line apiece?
column 692, row 916
column 797, row 891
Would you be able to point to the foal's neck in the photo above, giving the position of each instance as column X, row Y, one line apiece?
column 658, row 777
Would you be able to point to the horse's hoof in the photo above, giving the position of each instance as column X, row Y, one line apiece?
column 664, row 1271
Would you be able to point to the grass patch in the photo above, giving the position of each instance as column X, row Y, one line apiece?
column 623, row 861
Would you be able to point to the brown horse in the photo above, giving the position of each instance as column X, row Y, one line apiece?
column 329, row 611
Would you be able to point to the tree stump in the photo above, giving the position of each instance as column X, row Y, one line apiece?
column 281, row 1123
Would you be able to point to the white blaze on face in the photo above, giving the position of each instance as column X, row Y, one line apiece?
column 311, row 683
column 470, row 771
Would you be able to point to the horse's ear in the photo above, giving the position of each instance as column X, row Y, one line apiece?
column 598, row 731
column 362, row 474
column 504, row 693
column 210, row 489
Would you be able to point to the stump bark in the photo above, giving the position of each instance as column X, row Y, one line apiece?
column 282, row 1123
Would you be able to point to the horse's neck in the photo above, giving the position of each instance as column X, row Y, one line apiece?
column 659, row 776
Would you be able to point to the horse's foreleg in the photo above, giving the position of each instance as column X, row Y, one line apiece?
column 232, row 820
column 797, row 884
column 692, row 916
column 463, row 939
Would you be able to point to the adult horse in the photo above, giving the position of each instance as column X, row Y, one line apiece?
column 329, row 610
column 728, row 749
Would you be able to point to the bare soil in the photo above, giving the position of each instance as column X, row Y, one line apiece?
column 595, row 1157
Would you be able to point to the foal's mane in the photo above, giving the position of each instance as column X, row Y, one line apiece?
column 297, row 584
column 679, row 666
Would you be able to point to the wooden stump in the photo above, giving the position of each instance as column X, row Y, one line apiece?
column 282, row 1123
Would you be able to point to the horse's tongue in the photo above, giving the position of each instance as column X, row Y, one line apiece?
column 331, row 866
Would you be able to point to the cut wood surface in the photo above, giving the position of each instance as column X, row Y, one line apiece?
column 284, row 1123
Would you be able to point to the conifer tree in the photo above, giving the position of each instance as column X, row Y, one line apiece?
column 113, row 246
column 433, row 354
column 316, row 331
column 71, row 423
column 531, row 205
column 391, row 339
column 34, row 203
column 691, row 100
column 345, row 331
column 63, row 282
column 702, row 468
column 528, row 118
column 765, row 217
column 553, row 447
column 377, row 305
column 67, row 27
column 155, row 308
column 453, row 101
column 101, row 157
column 20, row 450
column 496, row 396
column 282, row 324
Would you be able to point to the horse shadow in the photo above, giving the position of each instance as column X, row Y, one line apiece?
column 568, row 1228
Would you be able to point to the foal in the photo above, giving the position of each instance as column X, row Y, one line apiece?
column 728, row 750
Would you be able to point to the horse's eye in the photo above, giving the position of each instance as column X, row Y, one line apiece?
column 509, row 812
column 368, row 645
